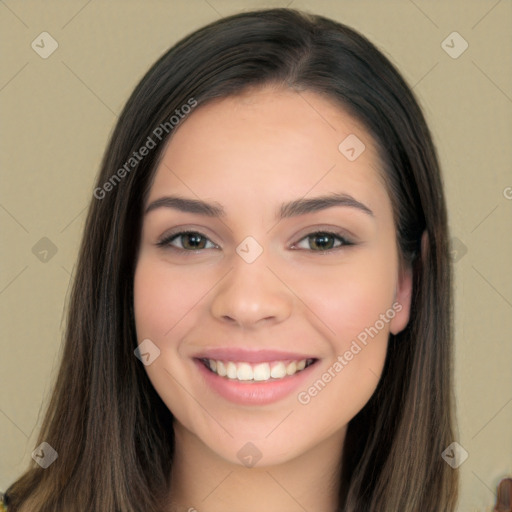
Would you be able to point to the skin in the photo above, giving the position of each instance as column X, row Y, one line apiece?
column 251, row 153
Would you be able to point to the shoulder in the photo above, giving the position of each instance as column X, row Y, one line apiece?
column 3, row 506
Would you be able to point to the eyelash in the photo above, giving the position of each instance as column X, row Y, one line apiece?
column 166, row 241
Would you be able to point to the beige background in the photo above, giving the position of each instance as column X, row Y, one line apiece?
column 58, row 112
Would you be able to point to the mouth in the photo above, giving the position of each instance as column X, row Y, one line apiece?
column 253, row 378
column 256, row 372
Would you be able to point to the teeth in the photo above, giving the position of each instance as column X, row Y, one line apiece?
column 261, row 371
column 231, row 370
column 278, row 371
column 221, row 368
column 244, row 371
column 291, row 368
column 258, row 372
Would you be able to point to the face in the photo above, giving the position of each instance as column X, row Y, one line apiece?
column 272, row 306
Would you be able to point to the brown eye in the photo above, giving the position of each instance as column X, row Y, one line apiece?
column 325, row 241
column 321, row 241
column 190, row 241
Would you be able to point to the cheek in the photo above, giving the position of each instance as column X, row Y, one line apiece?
column 151, row 301
column 348, row 298
column 351, row 301
column 161, row 298
column 358, row 348
column 163, row 305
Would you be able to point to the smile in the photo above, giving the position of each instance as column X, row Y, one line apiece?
column 260, row 372
column 253, row 378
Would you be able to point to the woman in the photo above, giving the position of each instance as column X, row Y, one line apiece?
column 261, row 313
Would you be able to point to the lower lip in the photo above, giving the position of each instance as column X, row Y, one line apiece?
column 250, row 392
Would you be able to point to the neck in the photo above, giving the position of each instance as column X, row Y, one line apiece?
column 202, row 481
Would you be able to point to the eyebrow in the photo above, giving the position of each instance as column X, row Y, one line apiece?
column 290, row 209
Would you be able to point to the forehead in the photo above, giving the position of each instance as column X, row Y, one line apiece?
column 270, row 144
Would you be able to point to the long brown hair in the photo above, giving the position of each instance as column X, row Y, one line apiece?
column 113, row 433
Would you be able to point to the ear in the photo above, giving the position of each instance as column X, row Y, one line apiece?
column 403, row 293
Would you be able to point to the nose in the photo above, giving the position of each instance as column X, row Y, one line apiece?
column 252, row 295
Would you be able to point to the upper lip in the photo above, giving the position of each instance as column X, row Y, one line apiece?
column 250, row 356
